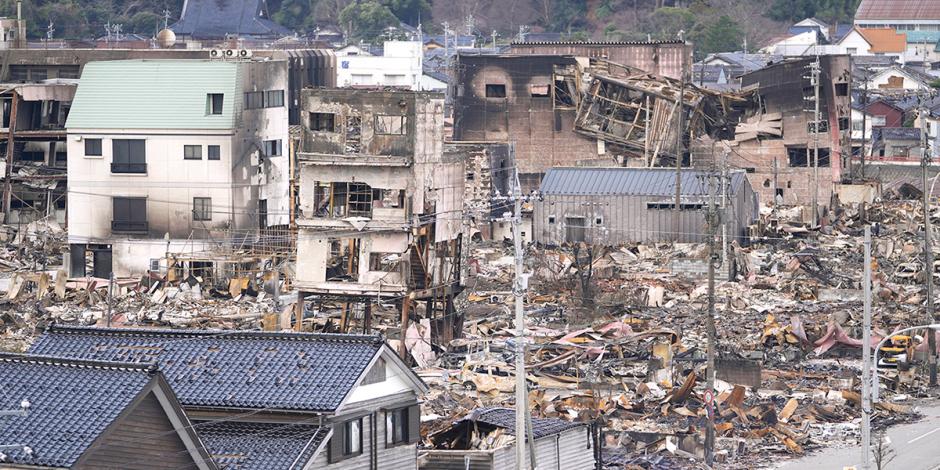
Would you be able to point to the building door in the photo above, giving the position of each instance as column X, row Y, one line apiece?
column 574, row 229
column 102, row 262
column 262, row 214
column 77, row 260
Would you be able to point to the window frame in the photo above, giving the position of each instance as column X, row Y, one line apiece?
column 192, row 152
column 218, row 152
column 136, row 217
column 100, row 147
column 202, row 212
column 389, row 129
column 268, row 94
column 124, row 160
column 316, row 122
column 396, row 422
column 348, row 433
column 275, row 150
column 497, row 91
column 215, row 104
column 254, row 99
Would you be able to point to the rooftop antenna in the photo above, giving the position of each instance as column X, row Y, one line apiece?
column 469, row 24
column 166, row 18
column 50, row 30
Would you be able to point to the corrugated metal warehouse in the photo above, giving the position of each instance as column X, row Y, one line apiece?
column 614, row 206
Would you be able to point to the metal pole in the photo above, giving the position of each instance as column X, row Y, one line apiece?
column 866, row 356
column 816, row 76
column 864, row 122
column 725, row 243
column 710, row 325
column 680, row 124
column 928, row 252
column 522, row 398
column 110, row 295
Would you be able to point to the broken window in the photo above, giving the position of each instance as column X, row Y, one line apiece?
column 215, row 152
column 129, row 214
column 563, row 92
column 192, row 152
column 803, row 157
column 360, row 200
column 353, row 134
column 202, row 208
column 842, row 89
column 390, row 125
column 665, row 205
column 343, row 264
column 538, row 90
column 823, row 127
column 494, row 90
column 843, row 123
column 128, row 156
column 384, row 262
column 322, row 122
column 345, row 200
column 214, row 103
column 92, row 147
column 393, row 198
column 273, row 98
column 272, row 148
column 254, row 99
column 551, row 219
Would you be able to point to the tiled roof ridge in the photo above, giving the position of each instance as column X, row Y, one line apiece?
column 332, row 337
column 42, row 359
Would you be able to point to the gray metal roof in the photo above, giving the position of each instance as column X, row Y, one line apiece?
column 628, row 182
column 506, row 418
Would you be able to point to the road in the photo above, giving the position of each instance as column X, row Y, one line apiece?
column 916, row 447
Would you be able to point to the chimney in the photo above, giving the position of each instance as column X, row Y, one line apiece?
column 20, row 26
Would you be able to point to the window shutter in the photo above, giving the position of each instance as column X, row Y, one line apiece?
column 336, row 443
column 414, row 423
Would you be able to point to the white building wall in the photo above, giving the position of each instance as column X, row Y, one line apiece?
column 400, row 66
column 854, row 44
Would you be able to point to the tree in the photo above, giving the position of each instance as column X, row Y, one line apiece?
column 295, row 14
column 410, row 11
column 723, row 35
column 369, row 20
column 665, row 23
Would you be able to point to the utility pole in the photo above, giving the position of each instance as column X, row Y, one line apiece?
column 726, row 218
column 864, row 122
column 713, row 259
column 110, row 296
column 680, row 125
column 523, row 423
column 866, row 356
column 928, row 250
column 815, row 74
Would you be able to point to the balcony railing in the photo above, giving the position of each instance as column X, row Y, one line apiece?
column 127, row 226
column 128, row 168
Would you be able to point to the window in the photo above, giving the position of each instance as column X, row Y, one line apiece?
column 192, row 152
column 396, row 426
column 128, row 156
column 129, row 215
column 215, row 152
column 551, row 219
column 254, row 100
column 322, row 122
column 92, row 147
column 390, row 125
column 803, row 157
column 272, row 148
column 878, row 121
column 843, row 123
column 202, row 208
column 352, row 437
column 538, row 91
column 857, row 126
column 598, row 221
column 851, row 50
column 377, row 373
column 214, row 103
column 495, row 90
column 842, row 89
column 384, row 262
column 823, row 127
column 273, row 98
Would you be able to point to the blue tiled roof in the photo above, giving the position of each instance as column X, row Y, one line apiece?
column 506, row 418
column 71, row 404
column 237, row 445
column 230, row 369
column 628, row 182
column 215, row 19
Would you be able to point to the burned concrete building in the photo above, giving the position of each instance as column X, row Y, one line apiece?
column 381, row 207
column 33, row 146
column 666, row 58
column 489, row 179
column 776, row 141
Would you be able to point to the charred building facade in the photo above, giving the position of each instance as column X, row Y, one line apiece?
column 381, row 211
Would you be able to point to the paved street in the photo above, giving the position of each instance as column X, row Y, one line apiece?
column 916, row 447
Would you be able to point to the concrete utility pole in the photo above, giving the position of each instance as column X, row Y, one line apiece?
column 866, row 356
column 815, row 73
column 928, row 251
column 713, row 259
column 680, row 126
column 110, row 295
column 726, row 219
column 864, row 122
column 523, row 421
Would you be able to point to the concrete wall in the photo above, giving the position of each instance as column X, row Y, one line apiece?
column 399, row 66
column 660, row 58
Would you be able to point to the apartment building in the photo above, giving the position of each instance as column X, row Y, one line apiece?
column 380, row 206
column 174, row 156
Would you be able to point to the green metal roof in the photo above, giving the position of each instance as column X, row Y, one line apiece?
column 919, row 37
column 154, row 94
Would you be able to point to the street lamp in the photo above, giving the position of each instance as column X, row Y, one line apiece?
column 874, row 392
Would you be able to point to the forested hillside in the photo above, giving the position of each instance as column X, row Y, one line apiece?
column 712, row 24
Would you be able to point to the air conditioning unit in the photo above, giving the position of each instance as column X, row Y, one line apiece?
column 215, row 54
column 244, row 53
column 231, row 53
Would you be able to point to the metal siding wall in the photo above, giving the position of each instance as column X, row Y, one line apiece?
column 572, row 449
column 403, row 456
column 575, row 451
column 454, row 460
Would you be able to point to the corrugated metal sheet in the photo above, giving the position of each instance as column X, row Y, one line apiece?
column 925, row 10
column 628, row 182
column 154, row 94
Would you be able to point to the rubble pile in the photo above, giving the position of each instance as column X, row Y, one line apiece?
column 626, row 350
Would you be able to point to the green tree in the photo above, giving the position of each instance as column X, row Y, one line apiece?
column 410, row 11
column 295, row 14
column 568, row 14
column 369, row 19
column 723, row 35
column 665, row 23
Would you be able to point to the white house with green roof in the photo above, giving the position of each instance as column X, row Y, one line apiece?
column 174, row 156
